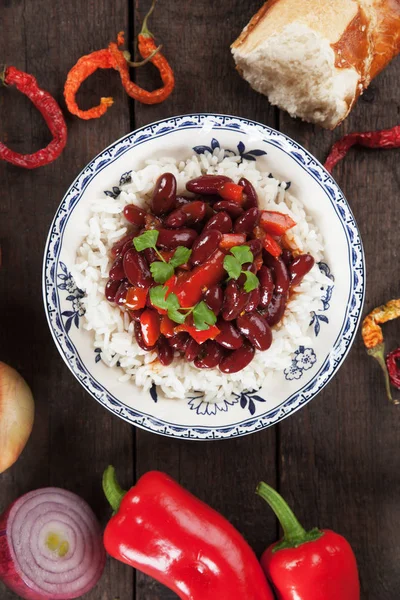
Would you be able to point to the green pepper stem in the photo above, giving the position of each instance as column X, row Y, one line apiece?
column 378, row 352
column 294, row 533
column 145, row 31
column 111, row 488
column 143, row 62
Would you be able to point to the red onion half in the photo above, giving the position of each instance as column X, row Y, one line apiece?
column 50, row 546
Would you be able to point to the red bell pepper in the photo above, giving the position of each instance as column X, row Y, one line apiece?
column 190, row 288
column 229, row 240
column 276, row 223
column 200, row 335
column 272, row 246
column 231, row 191
column 167, row 533
column 136, row 298
column 308, row 565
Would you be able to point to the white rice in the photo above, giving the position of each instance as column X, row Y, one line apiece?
column 113, row 333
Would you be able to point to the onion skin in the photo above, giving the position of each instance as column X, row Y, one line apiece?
column 16, row 415
column 10, row 568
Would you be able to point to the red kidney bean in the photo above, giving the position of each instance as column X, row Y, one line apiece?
column 220, row 221
column 151, row 255
column 232, row 208
column 181, row 201
column 214, row 298
column 256, row 329
column 111, row 289
column 120, row 296
column 177, row 218
column 204, row 246
column 255, row 246
column 276, row 309
column 136, row 269
column 247, row 221
column 254, row 300
column 298, row 268
column 192, row 350
column 238, row 359
column 279, row 273
column 170, row 238
column 210, row 355
column 250, row 192
column 164, row 351
column 134, row 215
column 179, row 341
column 234, row 301
column 116, row 250
column 287, row 257
column 164, row 195
column 194, row 211
column 229, row 337
column 139, row 337
column 117, row 270
column 136, row 314
column 207, row 184
column 266, row 286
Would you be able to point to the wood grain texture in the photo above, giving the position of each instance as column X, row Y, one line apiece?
column 337, row 460
column 73, row 437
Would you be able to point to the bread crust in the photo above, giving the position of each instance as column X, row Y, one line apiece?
column 363, row 34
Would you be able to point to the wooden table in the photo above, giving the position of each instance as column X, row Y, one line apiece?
column 338, row 459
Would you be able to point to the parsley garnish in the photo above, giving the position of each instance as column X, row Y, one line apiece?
column 233, row 263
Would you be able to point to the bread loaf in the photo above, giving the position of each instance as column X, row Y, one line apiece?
column 314, row 58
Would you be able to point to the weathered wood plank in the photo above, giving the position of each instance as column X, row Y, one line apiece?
column 73, row 438
column 338, row 456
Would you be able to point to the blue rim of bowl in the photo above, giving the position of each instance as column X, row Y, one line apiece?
column 344, row 339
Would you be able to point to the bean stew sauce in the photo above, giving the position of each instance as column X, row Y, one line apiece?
column 202, row 243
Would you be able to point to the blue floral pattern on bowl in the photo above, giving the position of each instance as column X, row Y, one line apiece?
column 210, row 421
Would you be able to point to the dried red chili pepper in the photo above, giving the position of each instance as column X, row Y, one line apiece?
column 393, row 367
column 385, row 138
column 86, row 66
column 373, row 337
column 51, row 112
column 148, row 50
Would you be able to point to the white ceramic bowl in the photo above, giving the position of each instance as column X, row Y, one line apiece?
column 333, row 328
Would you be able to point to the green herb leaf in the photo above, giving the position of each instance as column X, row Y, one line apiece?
column 203, row 317
column 161, row 271
column 251, row 282
column 232, row 266
column 180, row 257
column 148, row 239
column 157, row 296
column 243, row 254
column 173, row 309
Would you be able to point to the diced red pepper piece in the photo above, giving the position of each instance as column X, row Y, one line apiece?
column 276, row 223
column 167, row 326
column 229, row 240
column 150, row 325
column 190, row 288
column 199, row 335
column 136, row 298
column 231, row 191
column 170, row 285
column 272, row 246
